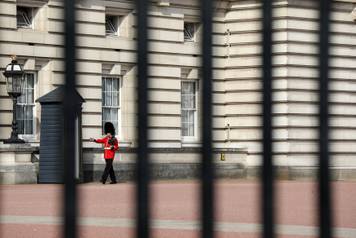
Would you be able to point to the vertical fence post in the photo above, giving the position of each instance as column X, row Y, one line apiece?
column 70, row 206
column 207, row 166
column 324, row 173
column 142, row 165
column 267, row 198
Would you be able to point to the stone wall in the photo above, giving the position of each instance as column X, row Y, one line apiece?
column 236, row 73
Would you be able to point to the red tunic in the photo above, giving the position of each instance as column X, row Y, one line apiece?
column 109, row 151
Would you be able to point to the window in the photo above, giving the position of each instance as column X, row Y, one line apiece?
column 112, row 25
column 24, row 17
column 189, row 109
column 189, row 31
column 25, row 106
column 111, row 101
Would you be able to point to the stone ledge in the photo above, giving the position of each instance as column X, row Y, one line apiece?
column 173, row 150
column 25, row 173
column 28, row 148
column 125, row 172
column 305, row 173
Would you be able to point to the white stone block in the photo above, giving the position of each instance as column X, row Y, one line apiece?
column 244, row 14
column 304, row 146
column 243, row 73
column 164, row 35
column 243, row 109
column 92, row 106
column 90, row 16
column 7, row 158
column 7, row 8
column 343, row 146
column 8, row 22
column 243, row 96
column 303, row 12
column 343, row 110
column 161, row 83
column 160, row 108
column 246, row 38
column 164, row 134
column 303, row 121
column 170, row 23
column 91, row 120
column 165, row 121
column 164, row 96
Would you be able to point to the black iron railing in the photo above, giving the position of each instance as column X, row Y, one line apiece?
column 325, row 214
column 70, row 192
column 207, row 172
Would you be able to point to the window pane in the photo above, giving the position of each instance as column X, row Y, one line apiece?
column 22, row 98
column 190, row 101
column 114, row 114
column 106, row 114
column 19, row 112
column 184, row 116
column 191, row 116
column 115, row 99
column 108, row 85
column 185, row 102
column 114, row 85
column 188, row 87
column 191, row 129
column 29, row 113
column 185, row 129
column 108, row 98
column 185, row 87
column 28, row 129
column 20, row 126
column 30, row 80
column 30, row 96
column 103, row 84
column 115, row 123
column 103, row 98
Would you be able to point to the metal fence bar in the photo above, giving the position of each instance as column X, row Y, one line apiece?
column 324, row 173
column 70, row 206
column 142, row 164
column 207, row 166
column 267, row 177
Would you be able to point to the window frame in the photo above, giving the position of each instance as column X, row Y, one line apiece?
column 31, row 10
column 195, row 137
column 119, row 123
column 115, row 24
column 195, row 28
column 31, row 137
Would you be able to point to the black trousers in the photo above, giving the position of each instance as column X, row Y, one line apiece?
column 109, row 170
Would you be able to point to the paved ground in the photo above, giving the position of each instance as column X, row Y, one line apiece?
column 108, row 210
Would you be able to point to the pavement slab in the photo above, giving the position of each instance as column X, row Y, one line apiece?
column 108, row 210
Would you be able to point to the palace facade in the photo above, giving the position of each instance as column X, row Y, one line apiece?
column 106, row 80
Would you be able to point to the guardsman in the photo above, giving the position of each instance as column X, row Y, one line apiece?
column 111, row 145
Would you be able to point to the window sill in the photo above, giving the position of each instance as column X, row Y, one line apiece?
column 29, row 138
column 194, row 144
column 25, row 29
column 190, row 42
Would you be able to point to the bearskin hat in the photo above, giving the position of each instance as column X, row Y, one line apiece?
column 109, row 128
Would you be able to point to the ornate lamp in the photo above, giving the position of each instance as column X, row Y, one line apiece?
column 14, row 83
